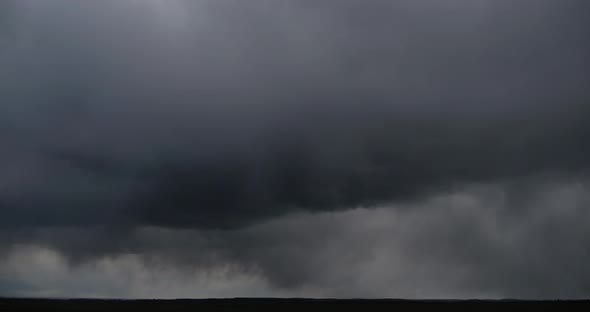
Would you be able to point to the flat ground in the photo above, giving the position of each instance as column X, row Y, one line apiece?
column 244, row 304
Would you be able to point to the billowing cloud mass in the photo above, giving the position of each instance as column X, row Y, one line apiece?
column 294, row 148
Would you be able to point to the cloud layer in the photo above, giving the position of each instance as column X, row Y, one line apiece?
column 258, row 134
column 468, row 244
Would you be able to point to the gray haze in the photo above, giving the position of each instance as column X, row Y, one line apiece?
column 284, row 148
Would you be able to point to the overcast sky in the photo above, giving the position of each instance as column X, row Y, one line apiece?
column 338, row 148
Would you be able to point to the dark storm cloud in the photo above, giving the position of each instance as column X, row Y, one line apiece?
column 217, row 115
column 135, row 134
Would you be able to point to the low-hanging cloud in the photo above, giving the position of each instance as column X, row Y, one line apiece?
column 467, row 244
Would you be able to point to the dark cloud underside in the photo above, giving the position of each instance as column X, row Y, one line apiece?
column 245, row 114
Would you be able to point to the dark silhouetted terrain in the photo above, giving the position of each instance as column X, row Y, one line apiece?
column 245, row 304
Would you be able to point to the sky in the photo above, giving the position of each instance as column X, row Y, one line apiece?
column 295, row 148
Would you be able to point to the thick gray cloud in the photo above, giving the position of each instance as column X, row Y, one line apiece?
column 210, row 119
